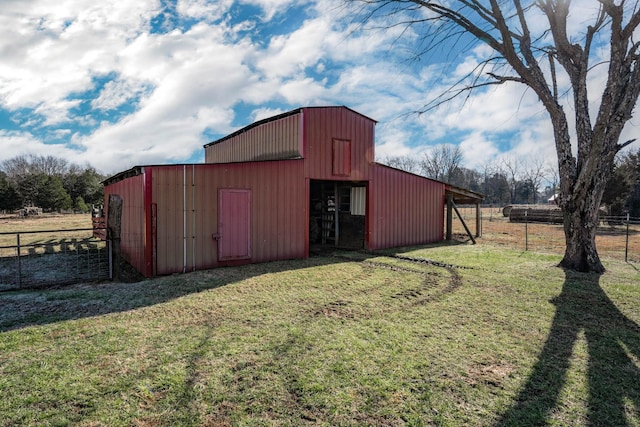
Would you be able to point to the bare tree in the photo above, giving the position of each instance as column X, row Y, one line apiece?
column 541, row 60
column 553, row 179
column 487, row 169
column 405, row 163
column 441, row 162
column 535, row 172
column 49, row 165
column 16, row 168
column 511, row 168
column 21, row 166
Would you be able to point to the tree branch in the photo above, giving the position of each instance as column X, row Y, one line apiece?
column 554, row 79
column 624, row 144
column 504, row 79
column 631, row 26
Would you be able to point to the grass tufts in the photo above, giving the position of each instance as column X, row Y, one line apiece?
column 437, row 335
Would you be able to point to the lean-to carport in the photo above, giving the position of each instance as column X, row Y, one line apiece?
column 461, row 196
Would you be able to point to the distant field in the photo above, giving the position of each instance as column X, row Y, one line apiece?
column 44, row 222
column 13, row 224
column 498, row 230
column 49, row 256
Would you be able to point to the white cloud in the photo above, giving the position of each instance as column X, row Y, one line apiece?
column 118, row 92
column 392, row 143
column 477, row 150
column 272, row 7
column 16, row 144
column 186, row 81
column 57, row 111
column 51, row 50
column 264, row 113
column 292, row 53
column 203, row 9
column 302, row 92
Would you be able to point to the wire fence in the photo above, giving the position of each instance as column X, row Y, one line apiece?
column 38, row 259
column 618, row 237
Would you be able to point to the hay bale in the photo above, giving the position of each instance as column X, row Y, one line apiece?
column 550, row 215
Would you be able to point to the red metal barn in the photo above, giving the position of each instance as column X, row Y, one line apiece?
column 274, row 190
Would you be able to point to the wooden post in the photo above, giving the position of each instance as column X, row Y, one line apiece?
column 464, row 224
column 19, row 261
column 114, row 223
column 449, row 216
column 478, row 220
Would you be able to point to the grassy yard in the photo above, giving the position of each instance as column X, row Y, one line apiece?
column 481, row 336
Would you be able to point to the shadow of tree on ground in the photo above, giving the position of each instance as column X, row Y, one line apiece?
column 25, row 308
column 613, row 374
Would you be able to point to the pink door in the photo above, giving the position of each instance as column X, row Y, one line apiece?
column 234, row 224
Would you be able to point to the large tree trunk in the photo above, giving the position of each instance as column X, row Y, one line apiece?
column 503, row 26
column 580, row 226
column 582, row 184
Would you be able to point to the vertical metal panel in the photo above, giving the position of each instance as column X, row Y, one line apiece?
column 272, row 140
column 169, row 196
column 278, row 214
column 132, row 240
column 324, row 125
column 342, row 157
column 205, row 217
column 234, row 224
column 405, row 209
column 149, row 236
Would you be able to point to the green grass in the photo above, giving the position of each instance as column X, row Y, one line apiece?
column 483, row 336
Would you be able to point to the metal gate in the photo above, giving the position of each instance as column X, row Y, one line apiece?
column 40, row 259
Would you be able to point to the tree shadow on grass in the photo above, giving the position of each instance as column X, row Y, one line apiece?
column 613, row 373
column 25, row 308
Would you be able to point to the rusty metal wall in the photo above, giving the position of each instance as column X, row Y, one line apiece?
column 132, row 237
column 322, row 126
column 272, row 140
column 187, row 212
column 404, row 209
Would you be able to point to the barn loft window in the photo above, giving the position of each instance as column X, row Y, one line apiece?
column 341, row 157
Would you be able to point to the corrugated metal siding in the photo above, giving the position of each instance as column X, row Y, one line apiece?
column 404, row 209
column 132, row 237
column 187, row 206
column 171, row 190
column 234, row 225
column 324, row 125
column 341, row 157
column 275, row 140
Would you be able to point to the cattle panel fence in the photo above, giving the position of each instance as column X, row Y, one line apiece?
column 617, row 237
column 40, row 259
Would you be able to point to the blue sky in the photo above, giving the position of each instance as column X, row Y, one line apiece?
column 121, row 83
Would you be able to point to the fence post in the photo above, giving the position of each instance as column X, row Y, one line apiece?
column 526, row 231
column 19, row 262
column 110, row 255
column 626, row 243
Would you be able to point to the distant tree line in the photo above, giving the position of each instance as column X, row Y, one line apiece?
column 513, row 181
column 50, row 183
column 622, row 193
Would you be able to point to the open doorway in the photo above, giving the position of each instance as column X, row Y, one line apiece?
column 337, row 214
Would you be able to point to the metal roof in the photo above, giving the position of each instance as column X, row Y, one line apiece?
column 278, row 117
column 463, row 196
column 134, row 171
column 460, row 195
